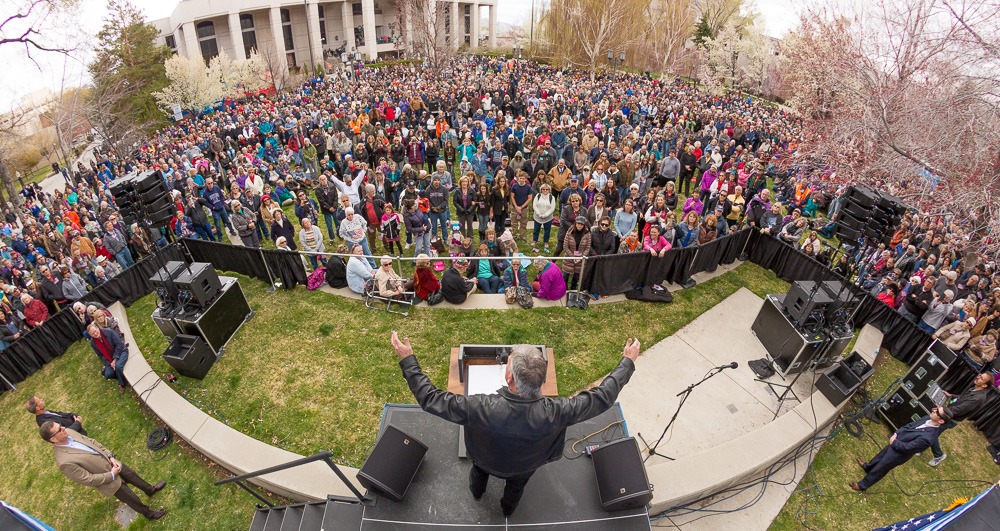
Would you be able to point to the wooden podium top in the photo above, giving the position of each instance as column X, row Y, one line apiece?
column 549, row 388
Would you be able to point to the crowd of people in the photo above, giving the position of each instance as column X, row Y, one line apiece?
column 489, row 158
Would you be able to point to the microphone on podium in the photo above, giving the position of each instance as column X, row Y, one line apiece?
column 732, row 365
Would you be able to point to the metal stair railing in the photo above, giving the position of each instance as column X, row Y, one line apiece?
column 325, row 456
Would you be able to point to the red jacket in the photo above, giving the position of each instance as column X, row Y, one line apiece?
column 427, row 283
column 35, row 313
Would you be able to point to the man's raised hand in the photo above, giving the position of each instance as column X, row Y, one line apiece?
column 403, row 348
column 631, row 349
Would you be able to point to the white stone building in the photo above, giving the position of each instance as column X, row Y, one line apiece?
column 207, row 28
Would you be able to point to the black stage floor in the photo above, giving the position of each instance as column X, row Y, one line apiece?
column 561, row 495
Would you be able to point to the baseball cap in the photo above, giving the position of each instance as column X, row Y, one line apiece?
column 411, row 183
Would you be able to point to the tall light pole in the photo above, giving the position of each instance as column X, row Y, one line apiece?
column 615, row 60
column 531, row 37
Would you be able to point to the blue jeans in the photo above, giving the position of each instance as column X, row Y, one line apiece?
column 441, row 218
column 124, row 258
column 484, row 222
column 118, row 372
column 923, row 326
column 315, row 260
column 489, row 285
column 538, row 227
column 330, row 219
column 422, row 243
column 205, row 232
column 218, row 217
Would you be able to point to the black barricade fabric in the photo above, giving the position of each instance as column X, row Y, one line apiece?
column 674, row 267
column 737, row 246
column 40, row 346
column 708, row 256
column 614, row 273
column 287, row 266
column 281, row 265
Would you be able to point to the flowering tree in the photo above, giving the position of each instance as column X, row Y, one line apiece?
column 898, row 97
column 190, row 86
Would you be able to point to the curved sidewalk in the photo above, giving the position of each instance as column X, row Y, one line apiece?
column 234, row 451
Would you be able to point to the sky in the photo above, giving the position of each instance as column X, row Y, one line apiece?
column 23, row 76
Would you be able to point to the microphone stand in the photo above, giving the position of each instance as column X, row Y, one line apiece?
column 684, row 396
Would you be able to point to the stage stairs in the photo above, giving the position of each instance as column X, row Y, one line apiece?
column 311, row 516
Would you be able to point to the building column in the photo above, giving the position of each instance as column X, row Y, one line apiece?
column 368, row 19
column 347, row 14
column 457, row 33
column 280, row 61
column 477, row 23
column 191, row 41
column 236, row 34
column 315, row 39
column 493, row 26
column 407, row 28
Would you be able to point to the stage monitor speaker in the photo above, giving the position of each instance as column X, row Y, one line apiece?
column 859, row 366
column 172, row 269
column 189, row 356
column 621, row 476
column 198, row 283
column 838, row 383
column 805, row 298
column 862, row 195
column 392, row 464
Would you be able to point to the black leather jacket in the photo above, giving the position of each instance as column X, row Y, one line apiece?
column 506, row 434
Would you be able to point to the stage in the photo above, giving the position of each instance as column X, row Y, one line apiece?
column 562, row 494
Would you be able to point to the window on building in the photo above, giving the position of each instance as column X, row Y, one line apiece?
column 322, row 30
column 286, row 30
column 249, row 34
column 206, row 39
column 378, row 8
column 322, row 13
column 468, row 24
column 170, row 42
column 290, row 57
column 356, row 9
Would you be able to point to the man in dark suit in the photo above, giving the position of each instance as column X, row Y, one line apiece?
column 89, row 463
column 514, row 432
column 111, row 350
column 908, row 441
column 72, row 421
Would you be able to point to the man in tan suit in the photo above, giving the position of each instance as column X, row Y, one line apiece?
column 89, row 463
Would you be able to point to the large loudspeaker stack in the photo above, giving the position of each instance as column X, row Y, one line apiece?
column 868, row 215
column 143, row 196
column 807, row 328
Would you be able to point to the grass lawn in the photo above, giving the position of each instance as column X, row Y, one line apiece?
column 833, row 505
column 310, row 372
